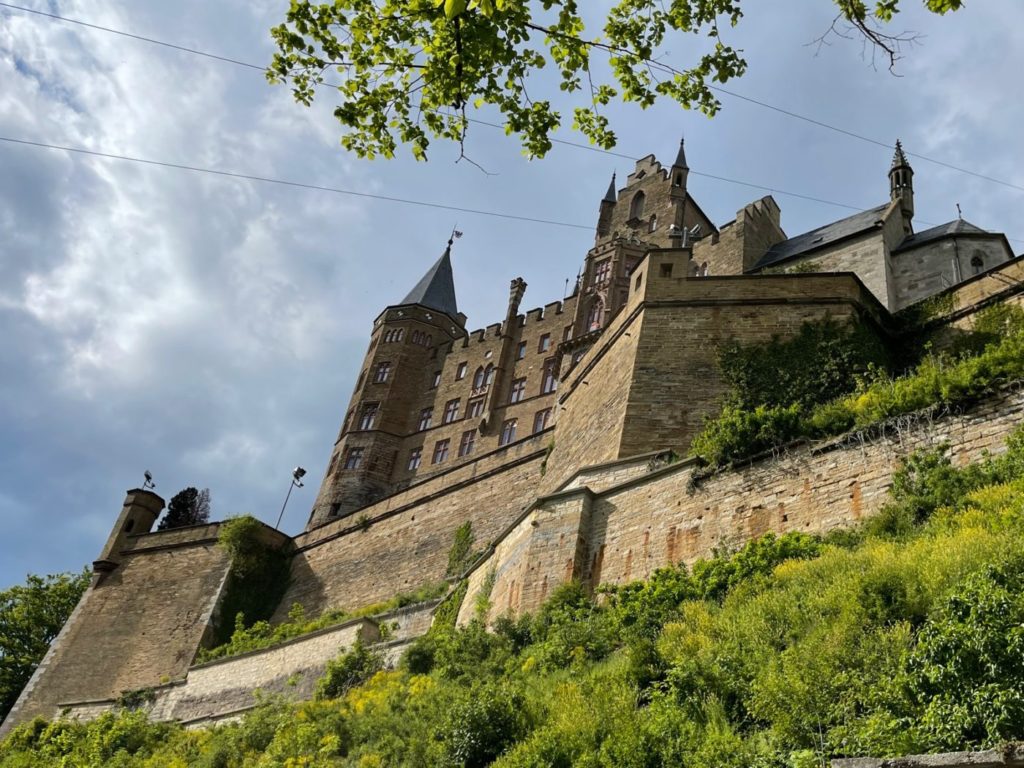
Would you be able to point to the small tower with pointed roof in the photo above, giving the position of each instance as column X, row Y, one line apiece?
column 901, row 185
column 604, row 217
column 404, row 346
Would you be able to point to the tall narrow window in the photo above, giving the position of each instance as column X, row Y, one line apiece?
column 652, row 225
column 595, row 314
column 540, row 420
column 603, row 271
column 440, row 451
column 354, row 458
column 508, row 432
column 521, row 350
column 549, row 380
column 368, row 416
column 478, row 378
column 382, row 373
column 545, row 343
column 426, row 418
column 636, row 206
column 451, row 411
column 518, row 390
column 460, row 372
column 488, row 375
column 475, row 408
column 467, row 442
column 415, row 456
column 436, row 381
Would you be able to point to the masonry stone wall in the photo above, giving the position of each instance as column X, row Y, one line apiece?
column 352, row 563
column 673, row 515
column 136, row 626
column 934, row 267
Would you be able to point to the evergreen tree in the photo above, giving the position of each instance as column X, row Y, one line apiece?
column 188, row 507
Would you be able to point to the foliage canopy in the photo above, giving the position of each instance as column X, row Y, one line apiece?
column 408, row 69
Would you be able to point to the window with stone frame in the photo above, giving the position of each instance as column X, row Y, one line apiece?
column 415, row 456
column 488, row 375
column 451, row 411
column 544, row 344
column 436, row 381
column 603, row 271
column 382, row 373
column 549, row 378
column 540, row 420
column 368, row 415
column 354, row 458
column 508, row 432
column 467, row 442
column 636, row 206
column 460, row 372
column 521, row 350
column 518, row 391
column 426, row 418
column 478, row 378
column 440, row 451
column 567, row 333
column 475, row 408
column 595, row 315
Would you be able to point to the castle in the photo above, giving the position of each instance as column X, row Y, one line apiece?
column 554, row 432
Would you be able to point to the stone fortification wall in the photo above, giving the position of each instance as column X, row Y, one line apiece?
column 1007, row 756
column 225, row 688
column 135, row 626
column 674, row 515
column 403, row 541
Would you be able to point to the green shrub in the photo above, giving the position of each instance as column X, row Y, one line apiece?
column 460, row 556
column 482, row 726
column 348, row 670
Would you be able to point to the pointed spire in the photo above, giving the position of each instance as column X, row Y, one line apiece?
column 612, row 194
column 681, row 157
column 899, row 159
column 436, row 289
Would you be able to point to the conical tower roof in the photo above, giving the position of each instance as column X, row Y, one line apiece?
column 612, row 194
column 681, row 157
column 436, row 289
column 899, row 159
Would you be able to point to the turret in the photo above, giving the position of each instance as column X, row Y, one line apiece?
column 678, row 176
column 398, row 368
column 604, row 218
column 680, row 170
column 901, row 185
column 140, row 510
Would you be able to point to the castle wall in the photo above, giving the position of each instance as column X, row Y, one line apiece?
column 671, row 516
column 135, row 626
column 402, row 543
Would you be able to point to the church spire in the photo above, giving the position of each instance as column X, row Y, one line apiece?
column 901, row 184
column 612, row 194
column 436, row 289
column 681, row 156
column 680, row 170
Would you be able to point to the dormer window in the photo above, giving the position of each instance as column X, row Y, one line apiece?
column 636, row 206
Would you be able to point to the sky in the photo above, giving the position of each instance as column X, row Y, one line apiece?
column 210, row 329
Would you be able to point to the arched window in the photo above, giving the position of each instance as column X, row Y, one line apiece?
column 594, row 317
column 679, row 180
column 977, row 263
column 478, row 378
column 652, row 224
column 489, row 375
column 415, row 337
column 430, row 340
column 399, row 334
column 704, row 269
column 636, row 206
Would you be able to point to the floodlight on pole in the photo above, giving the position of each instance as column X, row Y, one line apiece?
column 297, row 474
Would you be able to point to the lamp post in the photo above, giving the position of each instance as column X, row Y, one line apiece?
column 297, row 474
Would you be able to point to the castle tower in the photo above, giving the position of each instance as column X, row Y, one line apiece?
column 901, row 185
column 404, row 343
column 140, row 510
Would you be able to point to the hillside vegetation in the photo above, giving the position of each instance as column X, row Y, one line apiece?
column 904, row 636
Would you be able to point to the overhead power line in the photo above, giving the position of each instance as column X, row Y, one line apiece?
column 716, row 89
column 284, row 182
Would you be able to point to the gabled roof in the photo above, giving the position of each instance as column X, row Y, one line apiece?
column 822, row 236
column 957, row 227
column 436, row 289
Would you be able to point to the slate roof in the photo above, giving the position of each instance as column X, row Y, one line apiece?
column 822, row 236
column 956, row 227
column 436, row 289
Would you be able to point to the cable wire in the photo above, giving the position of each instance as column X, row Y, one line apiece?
column 298, row 184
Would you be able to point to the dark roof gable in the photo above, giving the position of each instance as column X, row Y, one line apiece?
column 957, row 227
column 436, row 289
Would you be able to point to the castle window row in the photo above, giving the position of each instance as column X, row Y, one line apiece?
column 423, row 339
column 393, row 335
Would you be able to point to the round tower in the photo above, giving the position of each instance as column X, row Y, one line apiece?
column 405, row 344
